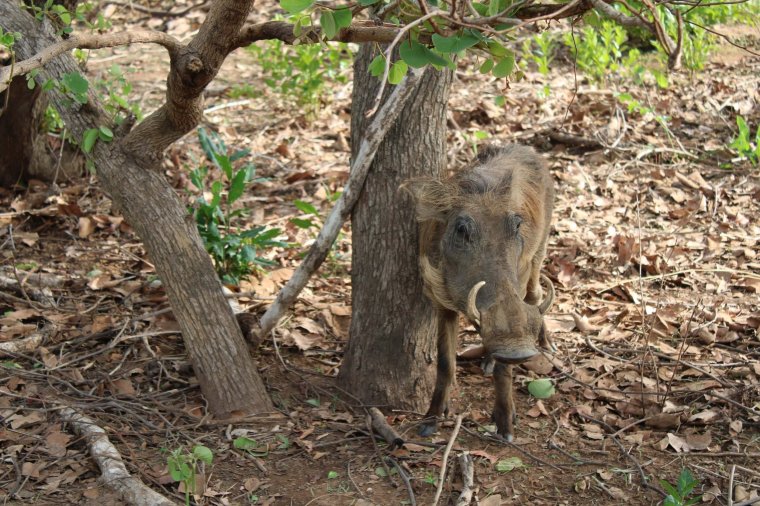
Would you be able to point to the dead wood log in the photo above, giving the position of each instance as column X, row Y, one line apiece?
column 114, row 473
column 468, row 479
column 382, row 427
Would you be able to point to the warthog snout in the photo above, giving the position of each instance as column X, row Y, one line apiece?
column 509, row 326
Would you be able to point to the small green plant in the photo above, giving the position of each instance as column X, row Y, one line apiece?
column 743, row 144
column 114, row 88
column 634, row 105
column 301, row 72
column 678, row 494
column 8, row 39
column 540, row 49
column 285, row 443
column 184, row 467
column 64, row 19
column 250, row 446
column 244, row 90
column 599, row 51
column 234, row 252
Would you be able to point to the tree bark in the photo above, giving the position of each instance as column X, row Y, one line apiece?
column 389, row 357
column 128, row 171
column 24, row 152
column 17, row 130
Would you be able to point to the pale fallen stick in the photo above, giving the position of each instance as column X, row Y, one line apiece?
column 468, row 479
column 446, row 452
column 373, row 136
column 107, row 457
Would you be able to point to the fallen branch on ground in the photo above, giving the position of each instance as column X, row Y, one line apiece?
column 25, row 345
column 386, row 431
column 114, row 472
column 468, row 479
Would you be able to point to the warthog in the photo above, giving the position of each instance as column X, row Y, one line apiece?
column 483, row 234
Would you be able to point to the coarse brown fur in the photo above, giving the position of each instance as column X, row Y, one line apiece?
column 488, row 222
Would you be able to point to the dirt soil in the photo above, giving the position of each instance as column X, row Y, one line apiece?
column 654, row 253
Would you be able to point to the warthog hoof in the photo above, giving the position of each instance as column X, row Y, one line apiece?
column 504, row 426
column 428, row 428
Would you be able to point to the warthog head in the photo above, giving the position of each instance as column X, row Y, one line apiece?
column 483, row 238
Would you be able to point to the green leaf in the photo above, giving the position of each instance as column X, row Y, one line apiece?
column 380, row 471
column 377, row 67
column 455, row 43
column 686, row 482
column 496, row 49
column 76, row 83
column 237, row 186
column 313, row 402
column 327, row 21
column 284, row 442
column 300, row 223
column 367, row 2
column 305, row 207
column 224, row 163
column 505, row 66
column 295, row 6
column 509, row 464
column 203, row 453
column 493, row 7
column 486, row 67
column 89, row 138
column 541, row 388
column 105, row 134
column 417, row 55
column 244, row 443
column 343, row 18
column 397, row 72
column 331, row 475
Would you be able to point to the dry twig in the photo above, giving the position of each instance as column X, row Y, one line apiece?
column 446, row 452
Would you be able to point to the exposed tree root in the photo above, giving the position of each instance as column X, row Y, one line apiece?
column 114, row 472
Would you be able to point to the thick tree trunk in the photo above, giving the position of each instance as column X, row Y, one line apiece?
column 128, row 171
column 391, row 350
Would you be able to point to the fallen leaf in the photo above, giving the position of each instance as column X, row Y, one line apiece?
column 56, row 443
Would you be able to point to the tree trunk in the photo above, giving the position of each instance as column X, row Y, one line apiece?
column 129, row 171
column 24, row 151
column 17, row 129
column 389, row 357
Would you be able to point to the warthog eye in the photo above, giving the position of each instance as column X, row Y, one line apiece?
column 513, row 223
column 463, row 231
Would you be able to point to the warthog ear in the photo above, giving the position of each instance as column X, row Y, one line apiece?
column 432, row 197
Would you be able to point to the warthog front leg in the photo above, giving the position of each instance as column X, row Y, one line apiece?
column 504, row 413
column 445, row 371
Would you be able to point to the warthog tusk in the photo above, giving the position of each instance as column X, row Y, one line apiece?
column 547, row 302
column 472, row 309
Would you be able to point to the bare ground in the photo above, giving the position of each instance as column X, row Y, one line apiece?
column 653, row 251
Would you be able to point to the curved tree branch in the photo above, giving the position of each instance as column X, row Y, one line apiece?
column 87, row 41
